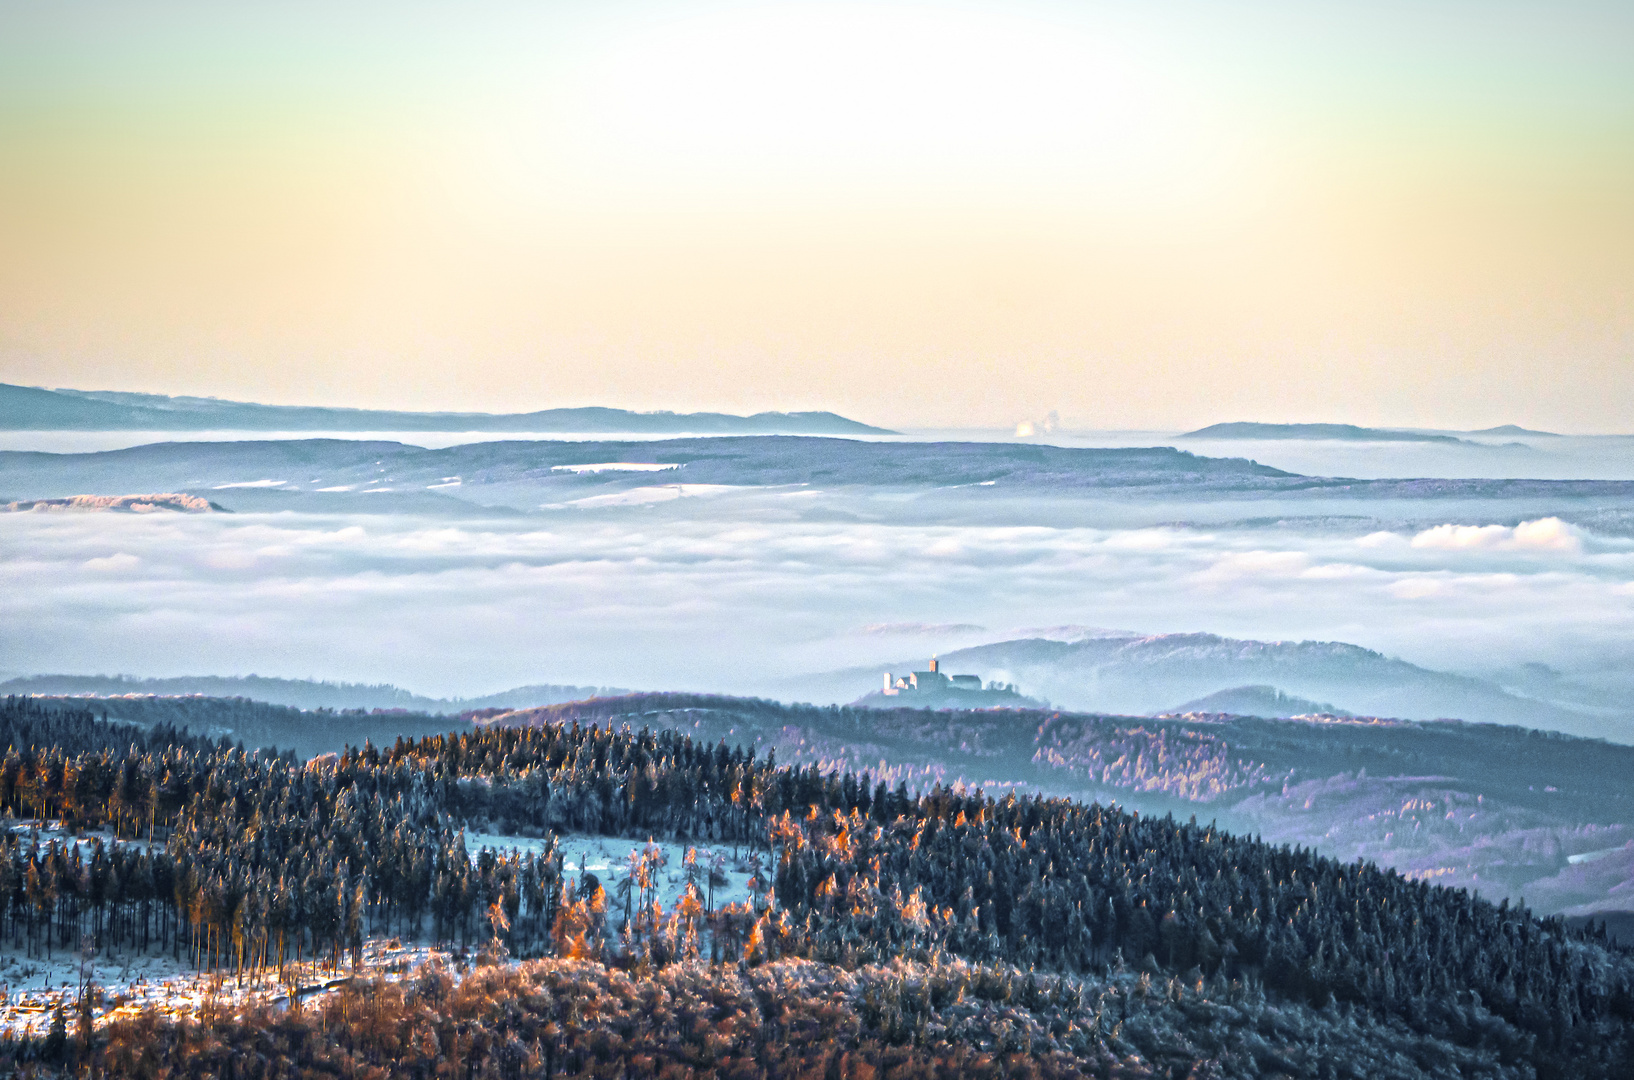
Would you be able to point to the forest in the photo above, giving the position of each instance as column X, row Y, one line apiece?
column 1506, row 811
column 255, row 722
column 1189, row 759
column 1069, row 938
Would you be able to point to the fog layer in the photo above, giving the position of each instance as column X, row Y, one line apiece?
column 729, row 591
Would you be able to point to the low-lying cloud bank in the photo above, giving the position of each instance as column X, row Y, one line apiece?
column 690, row 600
column 1544, row 535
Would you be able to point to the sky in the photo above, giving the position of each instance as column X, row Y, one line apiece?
column 1149, row 215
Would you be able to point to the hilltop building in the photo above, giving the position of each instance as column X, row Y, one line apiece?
column 932, row 681
column 935, row 689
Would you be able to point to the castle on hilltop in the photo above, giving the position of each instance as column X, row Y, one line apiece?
column 932, row 681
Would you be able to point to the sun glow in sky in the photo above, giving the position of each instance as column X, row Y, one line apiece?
column 937, row 214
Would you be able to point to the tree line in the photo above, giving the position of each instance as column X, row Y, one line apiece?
column 242, row 859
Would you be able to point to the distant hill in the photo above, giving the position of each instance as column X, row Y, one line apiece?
column 1513, row 429
column 294, row 693
column 1264, row 701
column 520, row 476
column 1007, row 697
column 1143, row 675
column 25, row 408
column 378, row 476
column 1343, row 432
column 257, row 724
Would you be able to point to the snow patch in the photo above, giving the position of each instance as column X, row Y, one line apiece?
column 610, row 859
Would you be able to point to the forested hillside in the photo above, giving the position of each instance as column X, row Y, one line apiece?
column 1504, row 810
column 1200, row 757
column 306, row 732
column 1245, row 957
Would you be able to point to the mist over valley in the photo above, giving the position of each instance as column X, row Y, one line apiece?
column 753, row 565
column 1426, row 676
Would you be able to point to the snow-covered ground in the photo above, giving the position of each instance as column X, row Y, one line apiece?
column 82, row 842
column 609, row 859
column 128, row 980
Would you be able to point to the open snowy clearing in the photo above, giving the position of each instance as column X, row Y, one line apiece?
column 82, row 842
column 609, row 858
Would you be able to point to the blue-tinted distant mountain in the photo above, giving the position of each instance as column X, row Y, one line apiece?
column 24, row 408
column 1263, row 701
column 295, row 693
column 569, row 470
column 1145, row 675
column 1514, row 429
column 1343, row 432
column 349, row 475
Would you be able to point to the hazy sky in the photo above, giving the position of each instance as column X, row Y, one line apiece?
column 943, row 214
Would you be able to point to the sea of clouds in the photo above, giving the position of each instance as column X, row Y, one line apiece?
column 687, row 596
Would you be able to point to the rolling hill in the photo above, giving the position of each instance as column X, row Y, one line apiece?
column 25, row 408
column 291, row 693
column 1136, row 675
column 1345, row 432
